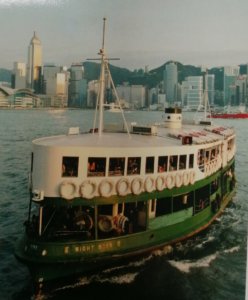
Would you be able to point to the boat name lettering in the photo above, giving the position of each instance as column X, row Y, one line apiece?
column 84, row 248
column 101, row 247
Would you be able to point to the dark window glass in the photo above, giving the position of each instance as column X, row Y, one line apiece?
column 116, row 166
column 133, row 165
column 173, row 162
column 70, row 166
column 149, row 164
column 96, row 166
column 182, row 162
column 162, row 163
column 163, row 207
column 191, row 161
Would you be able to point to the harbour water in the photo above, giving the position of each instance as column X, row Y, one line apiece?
column 210, row 266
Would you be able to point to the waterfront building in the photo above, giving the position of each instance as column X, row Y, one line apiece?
column 230, row 75
column 241, row 89
column 209, row 86
column 19, row 75
column 171, row 82
column 34, row 64
column 77, row 86
column 195, row 92
column 55, row 85
column 135, row 95
column 92, row 92
column 18, row 98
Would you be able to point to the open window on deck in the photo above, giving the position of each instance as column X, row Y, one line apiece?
column 70, row 166
column 150, row 164
column 116, row 166
column 162, row 164
column 96, row 166
column 133, row 165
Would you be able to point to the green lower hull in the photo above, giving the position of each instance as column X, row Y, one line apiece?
column 52, row 260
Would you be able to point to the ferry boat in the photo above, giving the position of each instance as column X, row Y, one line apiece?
column 240, row 113
column 106, row 195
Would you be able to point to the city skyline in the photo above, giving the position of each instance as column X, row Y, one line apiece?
column 141, row 33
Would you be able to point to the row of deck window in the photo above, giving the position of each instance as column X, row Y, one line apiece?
column 119, row 166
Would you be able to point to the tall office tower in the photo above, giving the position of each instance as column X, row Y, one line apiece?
column 77, row 86
column 230, row 75
column 209, row 87
column 195, row 92
column 34, row 64
column 55, row 84
column 170, row 82
column 19, row 75
column 241, row 89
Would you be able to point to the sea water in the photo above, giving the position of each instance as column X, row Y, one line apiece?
column 209, row 266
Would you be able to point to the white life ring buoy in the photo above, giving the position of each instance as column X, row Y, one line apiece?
column 170, row 181
column 88, row 189
column 160, row 183
column 192, row 177
column 178, row 179
column 186, row 178
column 67, row 190
column 123, row 187
column 149, row 184
column 137, row 186
column 106, row 188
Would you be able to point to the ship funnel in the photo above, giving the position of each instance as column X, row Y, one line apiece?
column 173, row 117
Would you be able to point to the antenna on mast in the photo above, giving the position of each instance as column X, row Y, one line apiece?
column 101, row 92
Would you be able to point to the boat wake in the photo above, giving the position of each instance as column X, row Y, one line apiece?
column 185, row 266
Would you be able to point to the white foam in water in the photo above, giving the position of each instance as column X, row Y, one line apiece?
column 233, row 249
column 186, row 265
column 122, row 279
column 210, row 239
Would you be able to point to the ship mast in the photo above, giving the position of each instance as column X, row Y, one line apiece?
column 101, row 91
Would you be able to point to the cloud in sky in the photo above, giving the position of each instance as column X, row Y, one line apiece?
column 140, row 32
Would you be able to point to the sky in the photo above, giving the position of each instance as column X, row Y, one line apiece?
column 140, row 32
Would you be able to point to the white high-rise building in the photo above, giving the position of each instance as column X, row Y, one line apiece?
column 195, row 92
column 55, row 84
column 19, row 75
column 34, row 63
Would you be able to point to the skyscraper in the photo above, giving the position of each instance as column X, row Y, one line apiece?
column 34, row 64
column 171, row 81
column 19, row 75
column 209, row 86
column 195, row 92
column 77, row 86
column 230, row 75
